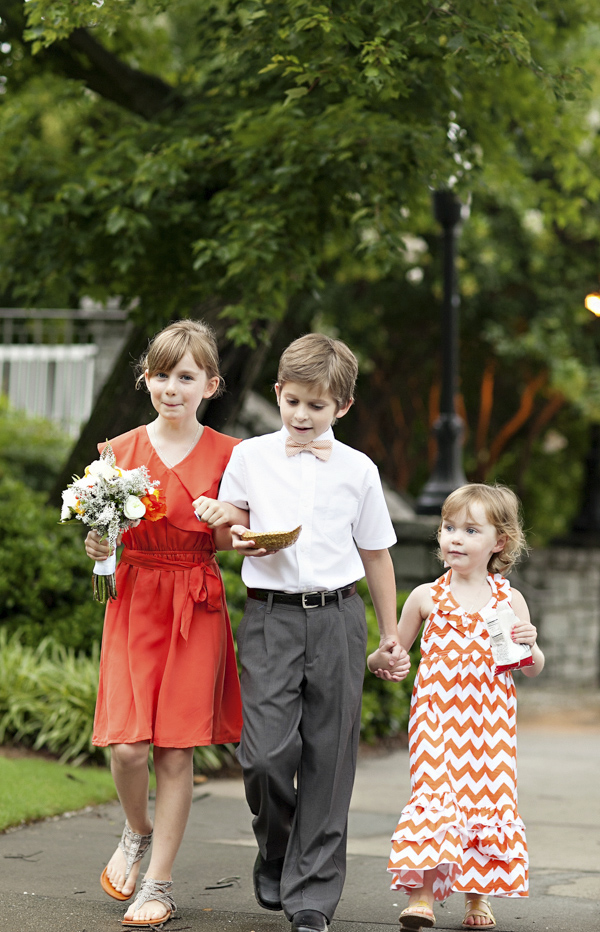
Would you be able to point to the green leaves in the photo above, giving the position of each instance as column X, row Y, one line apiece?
column 48, row 697
column 283, row 112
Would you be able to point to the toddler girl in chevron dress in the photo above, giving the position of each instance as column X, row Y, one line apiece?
column 461, row 831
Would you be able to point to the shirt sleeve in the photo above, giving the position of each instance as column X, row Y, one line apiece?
column 233, row 484
column 373, row 528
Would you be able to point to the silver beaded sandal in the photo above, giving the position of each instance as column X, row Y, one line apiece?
column 153, row 890
column 134, row 847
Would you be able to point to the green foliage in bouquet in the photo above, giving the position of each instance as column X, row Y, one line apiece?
column 45, row 584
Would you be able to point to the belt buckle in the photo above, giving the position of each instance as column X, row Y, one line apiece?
column 306, row 594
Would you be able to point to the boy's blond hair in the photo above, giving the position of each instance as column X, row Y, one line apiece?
column 169, row 346
column 502, row 509
column 316, row 359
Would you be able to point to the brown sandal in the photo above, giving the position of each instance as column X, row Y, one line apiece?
column 414, row 916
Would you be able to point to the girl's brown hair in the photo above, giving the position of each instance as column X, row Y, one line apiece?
column 502, row 509
column 169, row 346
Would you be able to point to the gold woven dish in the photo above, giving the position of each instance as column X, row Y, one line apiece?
column 273, row 540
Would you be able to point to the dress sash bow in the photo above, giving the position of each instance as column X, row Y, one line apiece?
column 202, row 583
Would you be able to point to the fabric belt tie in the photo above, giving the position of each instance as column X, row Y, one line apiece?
column 204, row 586
column 314, row 599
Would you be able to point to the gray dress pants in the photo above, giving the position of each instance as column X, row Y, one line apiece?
column 302, row 677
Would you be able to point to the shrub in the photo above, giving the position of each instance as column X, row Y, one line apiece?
column 47, row 697
column 45, row 575
column 31, row 448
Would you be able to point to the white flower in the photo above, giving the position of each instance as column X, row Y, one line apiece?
column 133, row 507
column 86, row 482
column 69, row 499
column 102, row 470
column 69, row 502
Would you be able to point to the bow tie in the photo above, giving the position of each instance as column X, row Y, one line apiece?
column 320, row 448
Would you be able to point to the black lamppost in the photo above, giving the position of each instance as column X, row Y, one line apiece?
column 449, row 428
column 585, row 529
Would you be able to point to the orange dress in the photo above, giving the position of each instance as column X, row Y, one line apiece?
column 462, row 818
column 168, row 672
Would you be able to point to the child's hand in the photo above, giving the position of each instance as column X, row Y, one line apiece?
column 95, row 548
column 213, row 512
column 390, row 661
column 246, row 547
column 523, row 632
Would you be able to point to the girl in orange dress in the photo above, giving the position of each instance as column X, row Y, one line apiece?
column 168, row 673
column 461, row 830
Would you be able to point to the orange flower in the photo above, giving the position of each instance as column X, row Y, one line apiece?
column 156, row 505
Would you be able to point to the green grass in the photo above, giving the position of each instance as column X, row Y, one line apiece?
column 33, row 788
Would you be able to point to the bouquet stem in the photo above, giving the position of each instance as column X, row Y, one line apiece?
column 104, row 584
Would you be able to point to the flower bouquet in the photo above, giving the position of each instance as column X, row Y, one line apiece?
column 111, row 500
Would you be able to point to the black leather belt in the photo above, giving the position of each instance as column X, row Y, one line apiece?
column 302, row 599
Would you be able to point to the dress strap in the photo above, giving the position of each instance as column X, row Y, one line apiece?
column 440, row 593
column 500, row 587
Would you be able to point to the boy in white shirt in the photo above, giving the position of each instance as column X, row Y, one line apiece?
column 302, row 640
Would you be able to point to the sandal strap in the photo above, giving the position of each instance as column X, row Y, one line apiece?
column 134, row 847
column 479, row 906
column 155, row 890
column 418, row 904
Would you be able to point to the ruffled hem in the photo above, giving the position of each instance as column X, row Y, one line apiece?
column 428, row 817
column 411, row 879
column 497, row 833
column 434, row 830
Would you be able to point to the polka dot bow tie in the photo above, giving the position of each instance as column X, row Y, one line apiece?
column 320, row 448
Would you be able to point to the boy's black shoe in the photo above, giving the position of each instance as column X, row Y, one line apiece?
column 267, row 878
column 309, row 920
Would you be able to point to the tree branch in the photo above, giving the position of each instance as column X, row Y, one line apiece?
column 517, row 420
column 83, row 58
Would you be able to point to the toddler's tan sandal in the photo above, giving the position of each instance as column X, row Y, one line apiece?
column 418, row 915
column 478, row 906
column 150, row 889
column 134, row 847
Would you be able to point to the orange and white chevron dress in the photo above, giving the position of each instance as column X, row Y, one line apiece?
column 462, row 818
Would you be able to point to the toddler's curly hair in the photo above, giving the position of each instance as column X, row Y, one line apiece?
column 502, row 509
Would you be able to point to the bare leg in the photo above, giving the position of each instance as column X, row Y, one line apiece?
column 129, row 766
column 174, row 784
column 420, row 904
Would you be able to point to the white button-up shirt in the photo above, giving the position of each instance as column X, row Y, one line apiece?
column 339, row 503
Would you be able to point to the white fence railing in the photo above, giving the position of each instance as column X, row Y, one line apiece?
column 52, row 381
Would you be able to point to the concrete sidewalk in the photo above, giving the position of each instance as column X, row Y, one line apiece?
column 49, row 871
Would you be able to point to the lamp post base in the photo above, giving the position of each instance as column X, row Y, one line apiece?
column 448, row 473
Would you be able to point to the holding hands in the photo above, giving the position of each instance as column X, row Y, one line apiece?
column 390, row 661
